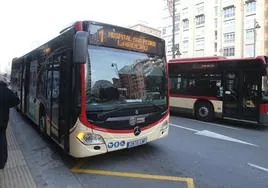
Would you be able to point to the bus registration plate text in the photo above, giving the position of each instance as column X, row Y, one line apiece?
column 135, row 143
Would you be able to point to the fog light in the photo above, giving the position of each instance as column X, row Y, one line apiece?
column 90, row 138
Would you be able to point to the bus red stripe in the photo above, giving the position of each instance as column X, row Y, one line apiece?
column 195, row 97
column 263, row 107
column 83, row 115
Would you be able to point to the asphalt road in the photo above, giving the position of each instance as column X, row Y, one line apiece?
column 195, row 154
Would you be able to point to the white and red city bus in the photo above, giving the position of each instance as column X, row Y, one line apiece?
column 209, row 87
column 95, row 88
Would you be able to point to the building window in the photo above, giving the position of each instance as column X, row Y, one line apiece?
column 249, row 22
column 229, row 26
column 216, row 35
column 164, row 31
column 249, row 35
column 186, row 35
column 177, row 18
column 185, row 24
column 229, row 12
column 185, row 54
column 199, row 20
column 177, row 27
column 200, row 32
column 199, row 53
column 216, row 11
column 199, row 44
column 184, row 12
column 199, row 8
column 249, row 50
column 229, row 37
column 250, row 7
column 215, row 47
column 226, row 3
column 185, row 45
column 229, row 51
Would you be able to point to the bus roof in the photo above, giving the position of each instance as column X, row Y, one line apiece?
column 73, row 26
column 213, row 59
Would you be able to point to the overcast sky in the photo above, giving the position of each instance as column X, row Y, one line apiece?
column 26, row 24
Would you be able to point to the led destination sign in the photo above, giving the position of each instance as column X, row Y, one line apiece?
column 124, row 38
column 131, row 42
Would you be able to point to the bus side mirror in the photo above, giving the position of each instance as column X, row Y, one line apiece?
column 80, row 47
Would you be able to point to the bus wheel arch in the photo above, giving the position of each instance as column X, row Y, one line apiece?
column 42, row 120
column 204, row 110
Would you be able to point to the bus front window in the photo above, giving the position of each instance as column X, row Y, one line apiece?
column 119, row 79
column 265, row 89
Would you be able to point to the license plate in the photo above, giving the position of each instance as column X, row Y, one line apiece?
column 135, row 143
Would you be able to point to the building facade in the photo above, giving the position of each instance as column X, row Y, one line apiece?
column 231, row 28
column 146, row 29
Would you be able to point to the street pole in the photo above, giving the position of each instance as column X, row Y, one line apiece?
column 173, row 29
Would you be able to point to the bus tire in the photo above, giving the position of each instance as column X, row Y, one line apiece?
column 204, row 111
column 42, row 124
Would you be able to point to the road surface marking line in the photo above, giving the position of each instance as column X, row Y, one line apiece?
column 258, row 167
column 214, row 135
column 80, row 163
column 214, row 124
column 186, row 128
column 189, row 181
column 222, row 137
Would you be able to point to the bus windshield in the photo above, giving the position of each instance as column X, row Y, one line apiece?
column 118, row 78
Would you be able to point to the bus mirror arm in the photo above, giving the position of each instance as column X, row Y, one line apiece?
column 80, row 53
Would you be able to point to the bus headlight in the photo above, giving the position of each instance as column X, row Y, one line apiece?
column 90, row 138
column 164, row 125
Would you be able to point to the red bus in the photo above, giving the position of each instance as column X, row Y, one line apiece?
column 209, row 87
column 95, row 88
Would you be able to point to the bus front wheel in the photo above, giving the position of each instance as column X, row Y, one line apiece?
column 204, row 111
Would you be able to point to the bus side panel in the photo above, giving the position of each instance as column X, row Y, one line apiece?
column 186, row 105
column 263, row 114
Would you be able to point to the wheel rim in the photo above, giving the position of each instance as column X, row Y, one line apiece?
column 203, row 111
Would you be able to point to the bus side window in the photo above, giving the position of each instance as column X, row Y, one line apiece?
column 175, row 84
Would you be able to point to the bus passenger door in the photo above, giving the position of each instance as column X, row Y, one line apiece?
column 59, row 84
column 31, row 97
column 53, row 81
column 251, row 95
column 231, row 101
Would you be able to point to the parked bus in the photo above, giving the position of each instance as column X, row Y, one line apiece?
column 209, row 87
column 95, row 88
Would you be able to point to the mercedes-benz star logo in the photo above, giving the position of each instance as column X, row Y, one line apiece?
column 137, row 131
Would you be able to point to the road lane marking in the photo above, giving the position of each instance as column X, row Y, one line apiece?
column 214, row 135
column 186, row 128
column 222, row 137
column 188, row 181
column 258, row 167
column 214, row 124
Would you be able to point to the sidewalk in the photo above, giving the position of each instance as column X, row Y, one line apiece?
column 16, row 173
